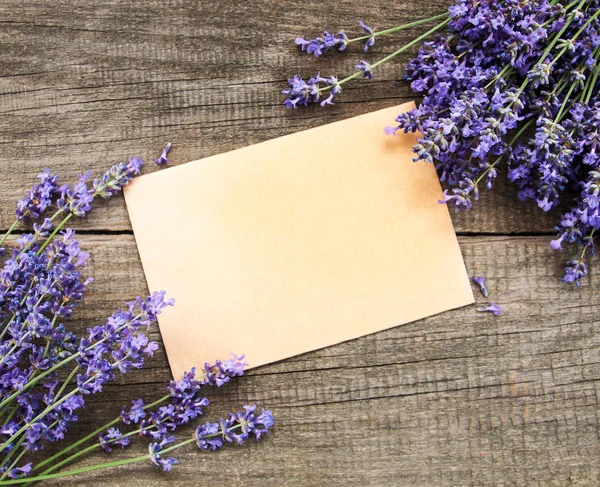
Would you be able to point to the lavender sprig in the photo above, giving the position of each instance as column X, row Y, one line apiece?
column 323, row 43
column 40, row 284
column 182, row 403
column 245, row 425
column 510, row 86
column 302, row 93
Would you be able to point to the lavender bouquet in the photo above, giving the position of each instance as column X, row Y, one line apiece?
column 510, row 85
column 46, row 371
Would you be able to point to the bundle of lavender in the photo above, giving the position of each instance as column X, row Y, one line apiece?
column 46, row 371
column 508, row 85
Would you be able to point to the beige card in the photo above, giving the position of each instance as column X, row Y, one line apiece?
column 296, row 243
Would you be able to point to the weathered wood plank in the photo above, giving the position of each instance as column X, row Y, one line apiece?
column 83, row 85
column 461, row 398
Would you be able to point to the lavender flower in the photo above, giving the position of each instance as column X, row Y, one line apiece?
column 134, row 413
column 239, row 427
column 371, row 40
column 323, row 43
column 185, row 399
column 19, row 472
column 220, row 373
column 366, row 69
column 40, row 284
column 112, row 437
column 304, row 93
column 503, row 89
column 491, row 308
column 78, row 199
column 116, row 177
column 39, row 197
column 156, row 458
column 320, row 45
column 162, row 159
column 480, row 281
column 510, row 85
column 574, row 271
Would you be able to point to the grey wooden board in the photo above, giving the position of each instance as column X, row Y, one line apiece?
column 459, row 399
column 462, row 398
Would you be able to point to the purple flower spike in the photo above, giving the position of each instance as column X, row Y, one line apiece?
column 133, row 414
column 366, row 68
column 39, row 197
column 320, row 45
column 162, row 159
column 220, row 373
column 112, row 437
column 239, row 427
column 480, row 281
column 371, row 40
column 491, row 308
column 207, row 437
column 574, row 271
column 304, row 93
column 19, row 472
column 301, row 93
column 155, row 457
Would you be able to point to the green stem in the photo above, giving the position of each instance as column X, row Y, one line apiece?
column 68, row 473
column 93, row 434
column 66, row 382
column 91, row 468
column 584, row 26
column 102, row 466
column 31, row 242
column 22, row 326
column 49, row 409
column 8, row 353
column 88, row 449
column 559, row 35
column 186, row 442
column 498, row 76
column 13, row 316
column 567, row 8
column 38, row 378
column 398, row 28
column 14, row 450
column 594, row 78
column 411, row 43
column 488, row 169
column 562, row 106
column 521, row 130
column 9, row 231
column 67, row 460
column 66, row 450
column 13, row 411
column 13, row 464
column 55, row 404
column 586, row 247
column 52, row 235
column 10, row 454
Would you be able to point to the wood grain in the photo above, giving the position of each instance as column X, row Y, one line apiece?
column 83, row 86
column 462, row 398
column 459, row 399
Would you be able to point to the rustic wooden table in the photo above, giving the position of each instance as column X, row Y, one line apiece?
column 459, row 399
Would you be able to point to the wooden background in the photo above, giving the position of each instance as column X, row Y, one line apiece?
column 460, row 399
